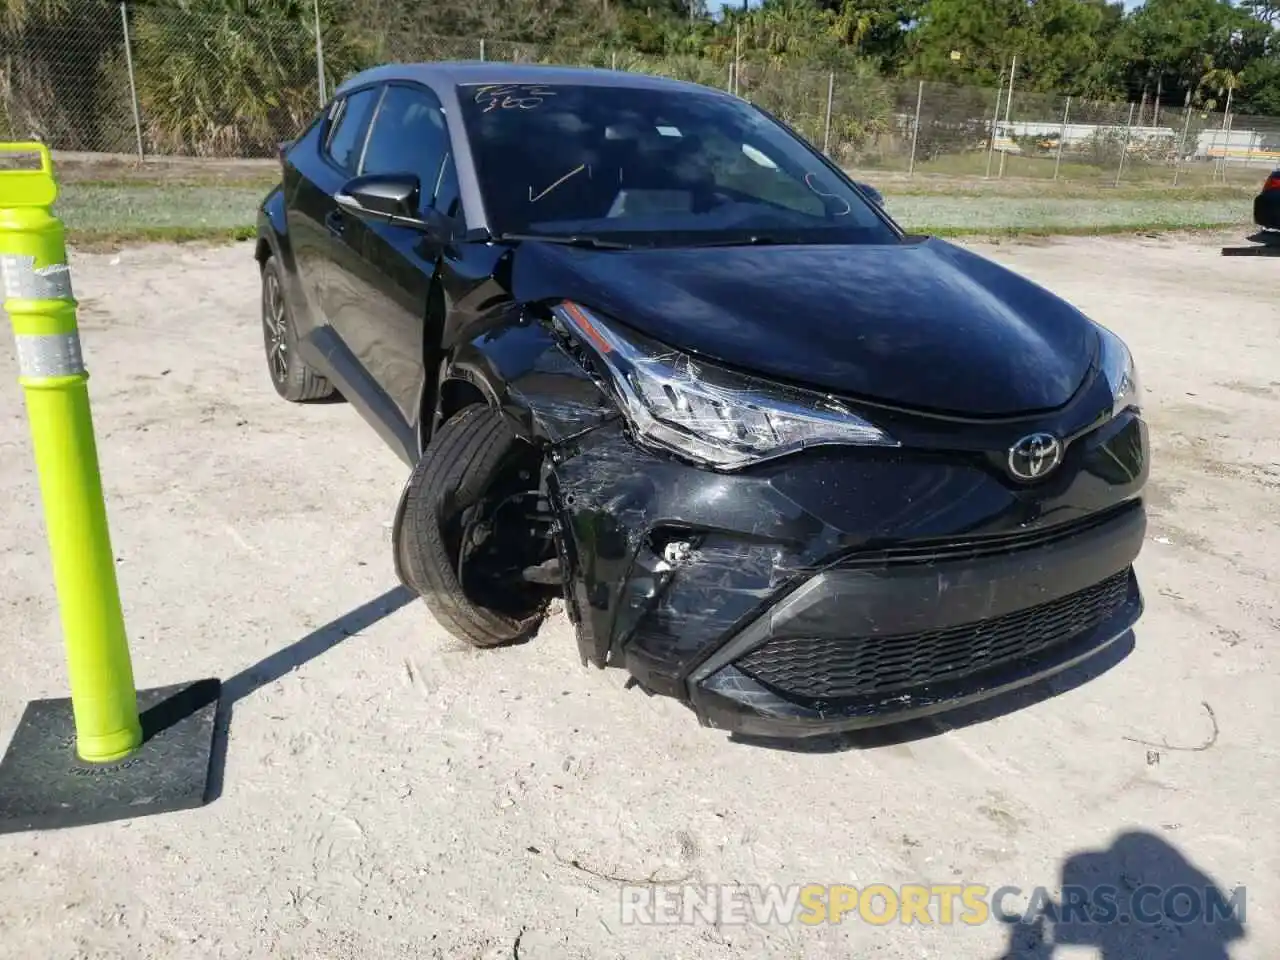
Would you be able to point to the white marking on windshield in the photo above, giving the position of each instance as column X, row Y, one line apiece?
column 572, row 173
column 508, row 96
column 808, row 182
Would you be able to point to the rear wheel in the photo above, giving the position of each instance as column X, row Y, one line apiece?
column 470, row 531
column 290, row 375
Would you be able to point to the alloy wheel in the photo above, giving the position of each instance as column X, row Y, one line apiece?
column 274, row 327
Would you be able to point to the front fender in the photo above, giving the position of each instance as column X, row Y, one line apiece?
column 522, row 370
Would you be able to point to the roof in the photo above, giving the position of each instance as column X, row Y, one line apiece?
column 459, row 72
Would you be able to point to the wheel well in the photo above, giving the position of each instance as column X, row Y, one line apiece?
column 262, row 251
column 455, row 394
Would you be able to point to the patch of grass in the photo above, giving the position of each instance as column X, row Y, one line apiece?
column 101, row 241
column 1054, row 190
column 262, row 184
column 118, row 212
column 129, row 207
column 1014, row 233
column 1062, row 215
column 1136, row 172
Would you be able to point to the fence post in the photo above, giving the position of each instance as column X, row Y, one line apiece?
column 1124, row 147
column 613, row 59
column 995, row 122
column 319, row 56
column 482, row 49
column 133, row 86
column 1008, row 111
column 1226, row 129
column 915, row 131
column 826, row 133
column 1182, row 142
column 1213, row 155
column 737, row 60
column 1062, row 137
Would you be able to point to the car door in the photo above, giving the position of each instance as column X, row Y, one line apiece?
column 383, row 323
column 315, row 168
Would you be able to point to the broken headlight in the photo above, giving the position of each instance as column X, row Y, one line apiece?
column 1120, row 372
column 706, row 413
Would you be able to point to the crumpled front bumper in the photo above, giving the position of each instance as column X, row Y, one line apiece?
column 724, row 695
column 845, row 588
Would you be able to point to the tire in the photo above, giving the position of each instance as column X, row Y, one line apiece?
column 290, row 375
column 460, row 463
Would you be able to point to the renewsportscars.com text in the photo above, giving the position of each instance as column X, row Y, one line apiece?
column 937, row 904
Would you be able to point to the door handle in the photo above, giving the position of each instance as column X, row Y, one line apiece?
column 335, row 223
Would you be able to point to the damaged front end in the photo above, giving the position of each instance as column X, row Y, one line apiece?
column 786, row 567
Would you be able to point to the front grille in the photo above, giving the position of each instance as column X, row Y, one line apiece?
column 864, row 666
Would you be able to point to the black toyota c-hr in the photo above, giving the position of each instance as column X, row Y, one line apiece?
column 643, row 348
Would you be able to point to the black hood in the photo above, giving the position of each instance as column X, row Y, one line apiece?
column 926, row 326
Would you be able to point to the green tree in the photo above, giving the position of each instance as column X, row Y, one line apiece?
column 1057, row 42
column 1175, row 44
column 982, row 34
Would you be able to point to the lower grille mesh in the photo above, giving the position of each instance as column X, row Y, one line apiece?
column 862, row 666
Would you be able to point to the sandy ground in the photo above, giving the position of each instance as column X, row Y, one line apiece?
column 393, row 794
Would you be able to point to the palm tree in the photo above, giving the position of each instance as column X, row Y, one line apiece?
column 16, row 14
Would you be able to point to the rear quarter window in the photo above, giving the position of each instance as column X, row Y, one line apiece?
column 348, row 127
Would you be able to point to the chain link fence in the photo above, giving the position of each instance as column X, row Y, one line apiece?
column 167, row 82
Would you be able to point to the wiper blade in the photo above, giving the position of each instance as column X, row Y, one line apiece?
column 755, row 240
column 568, row 240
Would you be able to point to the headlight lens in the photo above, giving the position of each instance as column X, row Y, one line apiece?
column 708, row 414
column 1121, row 373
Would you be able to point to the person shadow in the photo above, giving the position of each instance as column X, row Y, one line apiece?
column 1140, row 899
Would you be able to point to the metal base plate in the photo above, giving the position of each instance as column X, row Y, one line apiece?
column 44, row 785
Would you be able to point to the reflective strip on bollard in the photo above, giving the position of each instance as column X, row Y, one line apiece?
column 22, row 281
column 50, row 355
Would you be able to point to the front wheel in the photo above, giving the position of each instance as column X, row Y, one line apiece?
column 462, row 540
column 290, row 375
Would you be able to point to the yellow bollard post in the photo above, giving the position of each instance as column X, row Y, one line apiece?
column 39, row 302
column 114, row 771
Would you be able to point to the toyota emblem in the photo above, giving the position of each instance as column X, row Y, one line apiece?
column 1035, row 456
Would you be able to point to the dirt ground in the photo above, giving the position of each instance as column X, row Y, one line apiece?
column 390, row 793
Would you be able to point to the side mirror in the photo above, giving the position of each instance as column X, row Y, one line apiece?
column 384, row 197
column 871, row 192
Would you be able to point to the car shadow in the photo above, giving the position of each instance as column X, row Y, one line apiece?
column 335, row 397
column 1266, row 243
column 928, row 727
column 1139, row 898
column 272, row 668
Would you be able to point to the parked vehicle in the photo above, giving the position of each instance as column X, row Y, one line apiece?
column 1266, row 205
column 644, row 348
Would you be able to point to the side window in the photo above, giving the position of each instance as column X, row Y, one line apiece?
column 346, row 134
column 409, row 136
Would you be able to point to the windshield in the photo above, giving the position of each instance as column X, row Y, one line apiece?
column 653, row 167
